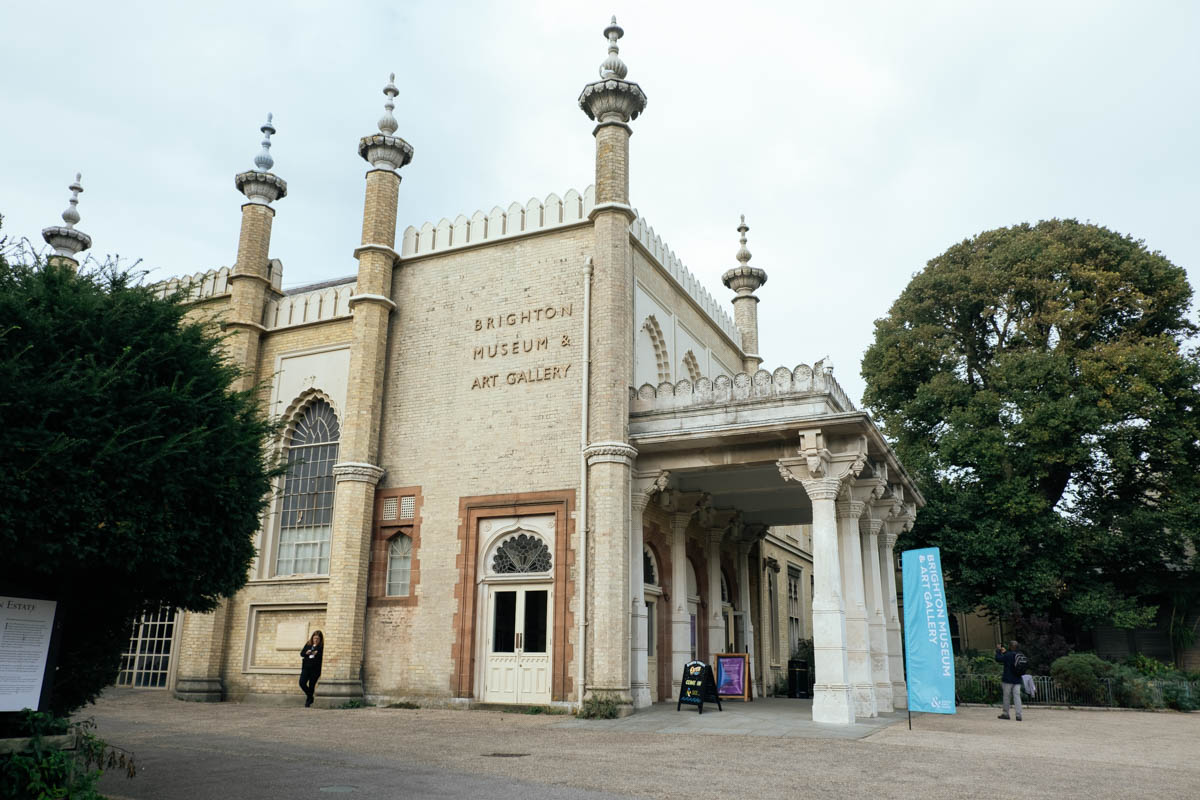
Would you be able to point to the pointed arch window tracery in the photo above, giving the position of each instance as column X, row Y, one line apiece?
column 306, row 504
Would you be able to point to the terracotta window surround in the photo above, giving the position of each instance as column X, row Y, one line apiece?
column 524, row 504
column 383, row 531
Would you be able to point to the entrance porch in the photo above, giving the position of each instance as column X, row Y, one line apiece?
column 719, row 465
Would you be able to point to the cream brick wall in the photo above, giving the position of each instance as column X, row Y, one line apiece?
column 696, row 322
column 456, row 441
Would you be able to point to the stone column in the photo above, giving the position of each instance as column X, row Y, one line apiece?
column 858, row 647
column 745, row 280
column 743, row 579
column 876, row 624
column 613, row 103
column 681, row 620
column 887, row 565
column 639, row 673
column 202, row 640
column 357, row 471
column 832, row 700
column 716, row 621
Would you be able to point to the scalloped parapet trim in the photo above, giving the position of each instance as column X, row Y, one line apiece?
column 683, row 276
column 319, row 305
column 517, row 220
column 783, row 382
column 200, row 286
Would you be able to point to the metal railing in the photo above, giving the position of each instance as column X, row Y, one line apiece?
column 1109, row 692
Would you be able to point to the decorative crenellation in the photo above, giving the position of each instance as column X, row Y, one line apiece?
column 533, row 217
column 661, row 254
column 704, row 392
column 331, row 302
column 200, row 286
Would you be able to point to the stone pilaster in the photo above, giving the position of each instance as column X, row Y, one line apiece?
column 743, row 579
column 639, row 679
column 870, row 527
column 681, row 620
column 613, row 103
column 716, row 622
column 357, row 471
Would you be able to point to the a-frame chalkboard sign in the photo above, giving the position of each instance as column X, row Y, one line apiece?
column 698, row 686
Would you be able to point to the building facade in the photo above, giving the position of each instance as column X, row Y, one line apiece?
column 610, row 484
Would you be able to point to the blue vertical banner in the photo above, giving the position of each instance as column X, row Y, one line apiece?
column 928, row 651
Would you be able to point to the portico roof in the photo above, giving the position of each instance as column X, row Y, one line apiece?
column 726, row 437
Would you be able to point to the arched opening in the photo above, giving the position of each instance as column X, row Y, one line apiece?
column 306, row 503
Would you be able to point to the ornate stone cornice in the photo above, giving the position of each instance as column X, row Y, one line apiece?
column 358, row 471
column 623, row 208
column 611, row 452
column 261, row 188
column 870, row 525
column 385, row 152
column 66, row 241
column 816, row 462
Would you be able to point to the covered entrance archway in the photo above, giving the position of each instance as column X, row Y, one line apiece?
column 736, row 461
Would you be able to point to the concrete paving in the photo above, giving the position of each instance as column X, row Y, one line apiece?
column 192, row 751
column 776, row 717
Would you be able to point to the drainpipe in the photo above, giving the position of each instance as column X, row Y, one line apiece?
column 582, row 522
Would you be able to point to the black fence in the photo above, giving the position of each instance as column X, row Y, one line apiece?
column 1143, row 694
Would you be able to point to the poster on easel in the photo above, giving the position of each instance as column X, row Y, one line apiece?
column 733, row 676
column 26, row 634
column 697, row 686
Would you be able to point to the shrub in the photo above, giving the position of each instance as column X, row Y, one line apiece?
column 976, row 691
column 1181, row 697
column 1131, row 689
column 1080, row 672
column 49, row 772
column 598, row 706
column 1150, row 667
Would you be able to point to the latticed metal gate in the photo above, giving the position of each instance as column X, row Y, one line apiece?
column 146, row 662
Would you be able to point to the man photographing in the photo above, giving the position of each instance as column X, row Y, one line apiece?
column 1015, row 663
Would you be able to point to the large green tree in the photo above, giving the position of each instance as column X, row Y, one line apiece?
column 131, row 476
column 1037, row 381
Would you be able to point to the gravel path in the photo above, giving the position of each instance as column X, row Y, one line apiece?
column 194, row 751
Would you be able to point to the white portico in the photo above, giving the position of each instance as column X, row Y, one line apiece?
column 727, row 459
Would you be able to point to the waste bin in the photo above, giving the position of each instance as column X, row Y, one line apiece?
column 798, row 682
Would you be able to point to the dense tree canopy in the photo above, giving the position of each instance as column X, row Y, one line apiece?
column 131, row 476
column 1037, row 381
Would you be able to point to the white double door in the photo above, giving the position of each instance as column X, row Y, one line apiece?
column 517, row 668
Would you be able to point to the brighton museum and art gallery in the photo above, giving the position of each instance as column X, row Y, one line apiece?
column 598, row 483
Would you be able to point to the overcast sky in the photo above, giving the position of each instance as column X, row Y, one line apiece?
column 859, row 139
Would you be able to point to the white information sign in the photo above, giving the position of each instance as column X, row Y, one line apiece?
column 25, row 628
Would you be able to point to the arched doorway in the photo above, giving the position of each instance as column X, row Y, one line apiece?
column 517, row 610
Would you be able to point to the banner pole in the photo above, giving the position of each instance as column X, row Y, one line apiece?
column 910, row 719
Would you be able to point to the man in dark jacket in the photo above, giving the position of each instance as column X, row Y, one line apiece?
column 1010, row 681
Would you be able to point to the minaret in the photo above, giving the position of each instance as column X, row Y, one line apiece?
column 203, row 637
column 357, row 471
column 745, row 279
column 613, row 102
column 66, row 241
column 251, row 281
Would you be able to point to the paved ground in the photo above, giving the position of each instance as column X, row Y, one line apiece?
column 228, row 750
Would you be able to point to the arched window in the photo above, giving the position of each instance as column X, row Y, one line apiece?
column 399, row 568
column 306, row 517
column 649, row 573
column 521, row 553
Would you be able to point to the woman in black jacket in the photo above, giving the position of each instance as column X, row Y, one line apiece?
column 310, row 665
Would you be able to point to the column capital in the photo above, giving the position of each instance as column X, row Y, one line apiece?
column 616, row 452
column 816, row 461
column 679, row 523
column 889, row 540
column 715, row 535
column 817, row 488
column 869, row 525
column 358, row 471
column 848, row 508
